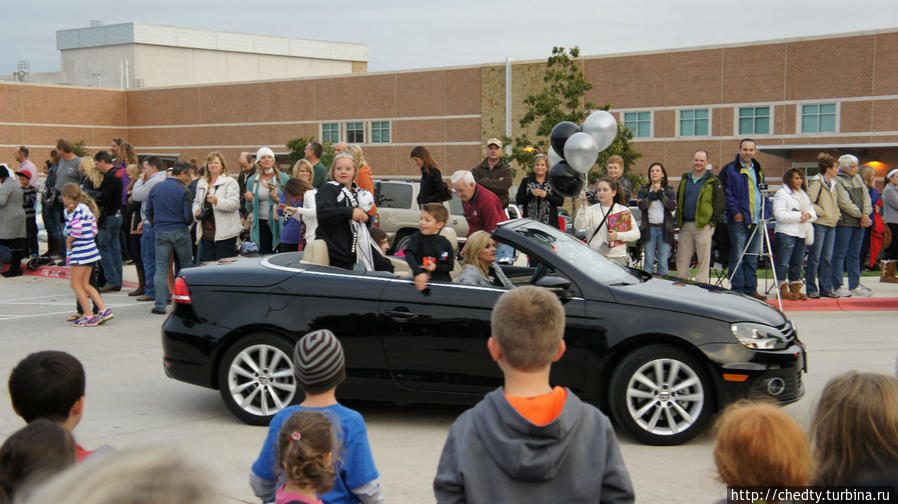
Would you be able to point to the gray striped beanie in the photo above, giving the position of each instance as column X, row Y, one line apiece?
column 318, row 362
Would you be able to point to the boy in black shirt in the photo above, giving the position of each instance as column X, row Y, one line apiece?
column 429, row 254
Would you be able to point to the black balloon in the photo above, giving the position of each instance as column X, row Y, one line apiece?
column 560, row 134
column 565, row 181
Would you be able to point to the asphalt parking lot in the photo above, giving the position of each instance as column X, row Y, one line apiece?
column 131, row 402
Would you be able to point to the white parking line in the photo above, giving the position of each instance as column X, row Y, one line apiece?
column 112, row 306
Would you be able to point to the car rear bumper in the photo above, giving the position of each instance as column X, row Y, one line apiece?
column 757, row 375
column 187, row 353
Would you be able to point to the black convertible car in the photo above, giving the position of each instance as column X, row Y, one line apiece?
column 658, row 354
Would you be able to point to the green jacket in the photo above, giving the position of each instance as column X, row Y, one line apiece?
column 711, row 203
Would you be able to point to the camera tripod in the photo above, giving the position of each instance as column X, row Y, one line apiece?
column 766, row 249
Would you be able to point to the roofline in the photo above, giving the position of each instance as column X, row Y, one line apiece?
column 135, row 23
column 752, row 43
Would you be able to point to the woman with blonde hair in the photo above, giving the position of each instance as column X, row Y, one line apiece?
column 217, row 201
column 855, row 427
column 82, row 253
column 872, row 240
column 758, row 444
column 92, row 177
column 479, row 263
column 303, row 170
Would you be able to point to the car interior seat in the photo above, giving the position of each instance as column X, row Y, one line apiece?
column 316, row 253
column 450, row 234
column 400, row 267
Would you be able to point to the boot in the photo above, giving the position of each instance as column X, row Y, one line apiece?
column 786, row 294
column 888, row 272
column 795, row 287
column 17, row 253
column 141, row 281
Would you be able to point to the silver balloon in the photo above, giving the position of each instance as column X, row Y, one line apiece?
column 581, row 152
column 554, row 158
column 602, row 126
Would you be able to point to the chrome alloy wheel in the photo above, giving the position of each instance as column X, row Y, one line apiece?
column 260, row 380
column 665, row 396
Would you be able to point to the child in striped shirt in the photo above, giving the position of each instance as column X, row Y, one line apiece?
column 82, row 253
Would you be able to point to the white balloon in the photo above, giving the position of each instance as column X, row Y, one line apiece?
column 602, row 126
column 554, row 158
column 581, row 152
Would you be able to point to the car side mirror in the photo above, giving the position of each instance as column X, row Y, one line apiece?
column 560, row 286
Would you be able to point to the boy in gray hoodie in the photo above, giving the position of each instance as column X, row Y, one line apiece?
column 528, row 441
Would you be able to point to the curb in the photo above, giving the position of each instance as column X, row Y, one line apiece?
column 62, row 273
column 841, row 304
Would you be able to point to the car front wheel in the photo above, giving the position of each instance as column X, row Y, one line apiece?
column 661, row 395
column 255, row 378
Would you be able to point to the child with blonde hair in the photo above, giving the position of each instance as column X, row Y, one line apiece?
column 81, row 252
column 305, row 454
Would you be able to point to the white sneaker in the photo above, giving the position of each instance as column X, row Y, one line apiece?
column 843, row 292
column 859, row 291
column 864, row 288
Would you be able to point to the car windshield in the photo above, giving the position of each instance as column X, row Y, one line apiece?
column 577, row 253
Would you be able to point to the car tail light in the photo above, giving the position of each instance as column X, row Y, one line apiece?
column 181, row 293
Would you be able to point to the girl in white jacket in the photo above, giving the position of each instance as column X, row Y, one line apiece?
column 794, row 216
column 609, row 225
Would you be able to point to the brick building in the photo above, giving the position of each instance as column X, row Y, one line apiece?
column 797, row 97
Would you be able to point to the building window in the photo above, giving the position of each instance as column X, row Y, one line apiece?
column 754, row 120
column 380, row 132
column 330, row 132
column 694, row 122
column 818, row 118
column 355, row 132
column 639, row 123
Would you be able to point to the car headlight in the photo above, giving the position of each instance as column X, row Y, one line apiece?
column 758, row 336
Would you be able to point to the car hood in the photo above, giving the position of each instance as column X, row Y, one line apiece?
column 698, row 299
column 235, row 272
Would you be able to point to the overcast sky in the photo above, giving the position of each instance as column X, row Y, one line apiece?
column 421, row 34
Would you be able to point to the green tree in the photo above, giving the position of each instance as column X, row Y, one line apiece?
column 297, row 148
column 80, row 149
column 563, row 99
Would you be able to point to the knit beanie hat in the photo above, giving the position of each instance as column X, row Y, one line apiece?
column 318, row 362
column 263, row 151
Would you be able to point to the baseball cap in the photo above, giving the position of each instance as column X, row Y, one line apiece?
column 494, row 141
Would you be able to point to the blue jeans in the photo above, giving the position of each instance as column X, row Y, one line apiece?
column 789, row 257
column 504, row 253
column 820, row 257
column 846, row 252
column 51, row 223
column 177, row 241
column 745, row 277
column 111, row 249
column 215, row 250
column 148, row 257
column 656, row 241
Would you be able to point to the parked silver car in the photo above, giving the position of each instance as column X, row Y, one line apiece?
column 398, row 213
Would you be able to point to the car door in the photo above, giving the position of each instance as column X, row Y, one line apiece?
column 343, row 302
column 437, row 342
